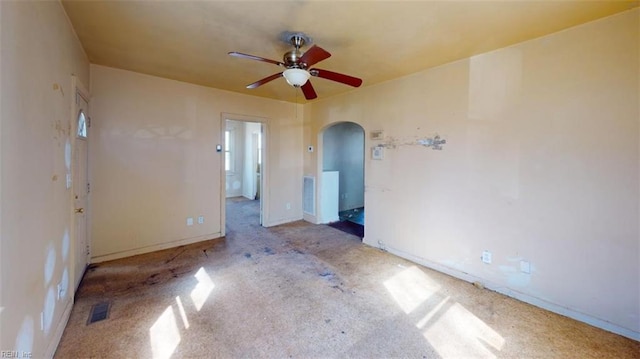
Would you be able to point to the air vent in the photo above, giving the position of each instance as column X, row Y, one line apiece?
column 309, row 189
column 99, row 312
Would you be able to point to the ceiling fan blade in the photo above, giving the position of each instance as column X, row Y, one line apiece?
column 314, row 55
column 308, row 91
column 334, row 76
column 264, row 80
column 257, row 58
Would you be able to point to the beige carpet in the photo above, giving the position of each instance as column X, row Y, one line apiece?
column 308, row 291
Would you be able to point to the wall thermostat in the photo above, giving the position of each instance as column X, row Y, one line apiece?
column 377, row 153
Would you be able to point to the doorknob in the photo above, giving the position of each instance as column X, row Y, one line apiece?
column 79, row 210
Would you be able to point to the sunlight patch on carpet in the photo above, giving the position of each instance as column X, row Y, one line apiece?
column 201, row 292
column 183, row 314
column 164, row 335
column 410, row 288
column 424, row 321
column 458, row 333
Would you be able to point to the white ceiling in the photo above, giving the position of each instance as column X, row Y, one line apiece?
column 374, row 40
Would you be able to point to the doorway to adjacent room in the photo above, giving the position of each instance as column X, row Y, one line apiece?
column 343, row 177
column 243, row 162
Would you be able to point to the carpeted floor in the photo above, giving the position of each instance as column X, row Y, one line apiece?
column 308, row 291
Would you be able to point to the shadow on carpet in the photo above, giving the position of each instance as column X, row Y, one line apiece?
column 349, row 227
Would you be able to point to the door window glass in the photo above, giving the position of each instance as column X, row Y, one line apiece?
column 82, row 125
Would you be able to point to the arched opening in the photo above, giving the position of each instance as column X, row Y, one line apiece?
column 342, row 192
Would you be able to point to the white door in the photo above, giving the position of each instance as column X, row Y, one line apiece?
column 81, row 189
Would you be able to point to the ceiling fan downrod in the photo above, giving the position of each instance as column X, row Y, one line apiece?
column 291, row 59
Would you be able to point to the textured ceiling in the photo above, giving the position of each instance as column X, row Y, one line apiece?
column 376, row 41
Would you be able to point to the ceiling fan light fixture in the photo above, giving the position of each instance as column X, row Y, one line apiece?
column 296, row 77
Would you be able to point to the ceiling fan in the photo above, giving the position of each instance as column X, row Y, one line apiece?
column 298, row 66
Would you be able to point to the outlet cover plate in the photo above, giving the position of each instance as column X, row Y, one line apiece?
column 486, row 257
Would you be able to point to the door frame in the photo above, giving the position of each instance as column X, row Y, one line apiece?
column 78, row 89
column 264, row 168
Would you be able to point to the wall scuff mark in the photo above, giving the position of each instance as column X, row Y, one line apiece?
column 434, row 142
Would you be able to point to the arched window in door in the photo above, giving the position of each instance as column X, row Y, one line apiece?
column 82, row 125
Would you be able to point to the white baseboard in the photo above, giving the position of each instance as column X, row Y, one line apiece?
column 57, row 335
column 282, row 221
column 310, row 218
column 552, row 307
column 153, row 248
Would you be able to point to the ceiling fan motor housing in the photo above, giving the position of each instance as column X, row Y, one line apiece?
column 292, row 59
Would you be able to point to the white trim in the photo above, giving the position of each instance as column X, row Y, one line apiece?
column 83, row 90
column 264, row 168
column 62, row 324
column 155, row 247
column 317, row 219
column 540, row 303
column 311, row 219
column 78, row 88
column 282, row 221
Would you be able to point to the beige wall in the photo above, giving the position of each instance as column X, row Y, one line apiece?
column 541, row 164
column 153, row 160
column 39, row 53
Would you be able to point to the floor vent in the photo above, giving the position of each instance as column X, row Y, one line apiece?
column 99, row 312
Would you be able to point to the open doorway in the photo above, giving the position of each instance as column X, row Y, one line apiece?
column 343, row 177
column 243, row 169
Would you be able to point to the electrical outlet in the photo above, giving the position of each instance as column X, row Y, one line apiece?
column 200, row 219
column 189, row 221
column 381, row 245
column 525, row 267
column 486, row 257
column 288, row 205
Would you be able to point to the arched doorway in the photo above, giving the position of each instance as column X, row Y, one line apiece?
column 343, row 177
